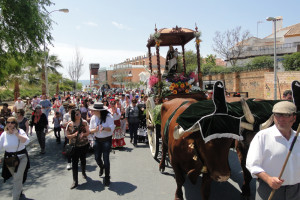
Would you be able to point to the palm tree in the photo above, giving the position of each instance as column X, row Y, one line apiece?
column 52, row 63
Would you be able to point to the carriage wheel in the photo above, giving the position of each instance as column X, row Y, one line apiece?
column 151, row 128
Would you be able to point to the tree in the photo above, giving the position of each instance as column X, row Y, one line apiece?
column 24, row 27
column 210, row 59
column 75, row 69
column 120, row 77
column 190, row 61
column 260, row 62
column 291, row 62
column 230, row 44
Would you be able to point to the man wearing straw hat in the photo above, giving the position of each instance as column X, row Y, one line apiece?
column 267, row 154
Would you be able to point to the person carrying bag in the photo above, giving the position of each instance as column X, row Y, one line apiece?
column 16, row 161
column 12, row 159
column 77, row 132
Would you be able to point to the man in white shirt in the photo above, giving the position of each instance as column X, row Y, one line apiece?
column 267, row 154
column 19, row 104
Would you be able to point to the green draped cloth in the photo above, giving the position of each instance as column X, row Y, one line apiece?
column 211, row 123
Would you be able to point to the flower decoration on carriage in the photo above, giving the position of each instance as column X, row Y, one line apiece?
column 181, row 83
column 197, row 35
column 155, row 37
column 153, row 80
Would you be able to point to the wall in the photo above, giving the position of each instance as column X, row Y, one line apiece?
column 258, row 84
column 285, row 80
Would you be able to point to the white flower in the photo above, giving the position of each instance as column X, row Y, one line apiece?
column 195, row 88
column 197, row 34
column 191, row 81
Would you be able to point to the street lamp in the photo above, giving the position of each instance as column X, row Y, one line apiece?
column 65, row 10
column 258, row 22
column 274, row 19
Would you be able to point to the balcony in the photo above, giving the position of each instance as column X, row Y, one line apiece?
column 281, row 49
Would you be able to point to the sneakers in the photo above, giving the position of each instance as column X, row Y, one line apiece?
column 69, row 166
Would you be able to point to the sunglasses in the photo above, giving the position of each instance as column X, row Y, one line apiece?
column 10, row 122
column 282, row 115
column 17, row 112
column 77, row 114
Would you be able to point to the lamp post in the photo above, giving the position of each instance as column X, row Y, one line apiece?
column 65, row 10
column 274, row 19
column 258, row 22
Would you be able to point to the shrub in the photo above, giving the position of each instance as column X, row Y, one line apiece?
column 291, row 62
column 6, row 95
column 260, row 62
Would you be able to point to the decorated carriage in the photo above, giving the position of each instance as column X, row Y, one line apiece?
column 175, row 82
column 198, row 134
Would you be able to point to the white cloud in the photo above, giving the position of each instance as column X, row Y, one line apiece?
column 78, row 27
column 105, row 57
column 120, row 26
column 91, row 24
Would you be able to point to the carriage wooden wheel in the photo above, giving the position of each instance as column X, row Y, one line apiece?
column 153, row 137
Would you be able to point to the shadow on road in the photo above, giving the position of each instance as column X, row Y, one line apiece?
column 92, row 185
column 122, row 188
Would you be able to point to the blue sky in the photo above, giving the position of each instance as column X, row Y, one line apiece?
column 108, row 32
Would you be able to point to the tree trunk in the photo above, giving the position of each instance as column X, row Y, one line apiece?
column 43, row 80
column 16, row 90
column 57, row 89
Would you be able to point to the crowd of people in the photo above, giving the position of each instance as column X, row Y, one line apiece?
column 99, row 123
column 89, row 122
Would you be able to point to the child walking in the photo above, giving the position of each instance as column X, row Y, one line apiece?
column 57, row 119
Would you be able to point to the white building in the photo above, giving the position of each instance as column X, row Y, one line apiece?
column 287, row 42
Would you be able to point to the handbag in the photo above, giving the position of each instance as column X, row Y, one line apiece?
column 12, row 160
column 69, row 149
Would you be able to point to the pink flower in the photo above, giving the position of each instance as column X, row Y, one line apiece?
column 153, row 80
column 194, row 76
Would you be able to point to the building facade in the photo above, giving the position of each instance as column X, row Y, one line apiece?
column 128, row 73
column 287, row 42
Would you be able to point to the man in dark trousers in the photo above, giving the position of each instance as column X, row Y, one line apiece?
column 132, row 116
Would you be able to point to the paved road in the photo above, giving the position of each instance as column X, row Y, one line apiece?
column 134, row 176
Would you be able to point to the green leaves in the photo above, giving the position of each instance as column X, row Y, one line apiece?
column 291, row 62
column 24, row 25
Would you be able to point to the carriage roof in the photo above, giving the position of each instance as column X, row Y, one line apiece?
column 173, row 36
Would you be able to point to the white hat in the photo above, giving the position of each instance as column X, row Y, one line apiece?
column 284, row 107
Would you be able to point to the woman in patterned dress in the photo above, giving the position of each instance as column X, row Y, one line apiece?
column 118, row 137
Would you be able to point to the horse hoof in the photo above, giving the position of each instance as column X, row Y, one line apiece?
column 161, row 170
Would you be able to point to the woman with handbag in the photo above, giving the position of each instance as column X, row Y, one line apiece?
column 102, row 124
column 16, row 162
column 77, row 132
